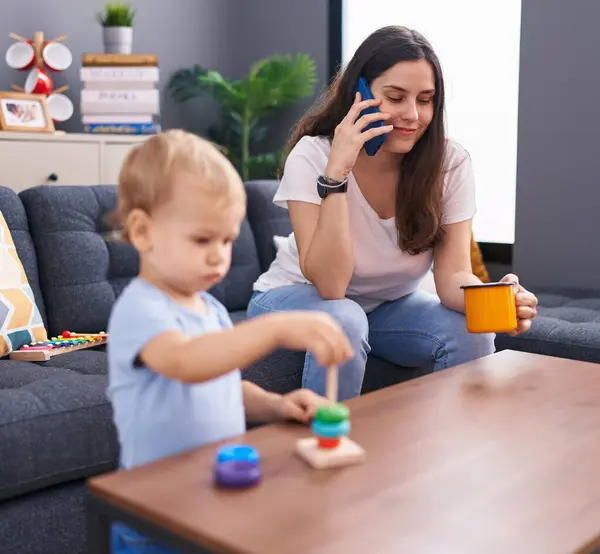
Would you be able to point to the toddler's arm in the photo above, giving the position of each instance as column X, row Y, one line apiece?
column 208, row 356
column 259, row 404
column 263, row 407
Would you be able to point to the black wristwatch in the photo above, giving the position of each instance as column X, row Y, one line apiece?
column 326, row 185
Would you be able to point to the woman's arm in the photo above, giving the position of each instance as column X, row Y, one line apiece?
column 452, row 265
column 324, row 246
column 452, row 268
column 323, row 231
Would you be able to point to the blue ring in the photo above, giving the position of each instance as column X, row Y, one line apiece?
column 330, row 430
column 236, row 474
column 238, row 453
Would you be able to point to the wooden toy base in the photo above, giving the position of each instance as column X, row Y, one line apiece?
column 346, row 453
column 43, row 355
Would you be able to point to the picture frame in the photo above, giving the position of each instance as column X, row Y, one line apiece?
column 22, row 112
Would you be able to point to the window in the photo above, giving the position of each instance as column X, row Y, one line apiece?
column 478, row 44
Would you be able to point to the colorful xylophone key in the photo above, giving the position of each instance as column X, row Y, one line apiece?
column 43, row 350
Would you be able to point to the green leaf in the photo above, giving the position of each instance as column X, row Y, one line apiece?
column 258, row 130
column 185, row 84
column 231, row 129
column 279, row 81
column 263, row 166
column 214, row 82
column 117, row 14
column 270, row 85
column 220, row 134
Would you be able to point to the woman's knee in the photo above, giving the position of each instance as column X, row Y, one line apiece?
column 477, row 345
column 347, row 313
column 463, row 346
column 350, row 316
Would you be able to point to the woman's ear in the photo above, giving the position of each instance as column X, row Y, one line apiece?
column 138, row 230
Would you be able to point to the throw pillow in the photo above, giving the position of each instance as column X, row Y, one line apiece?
column 477, row 266
column 278, row 242
column 20, row 320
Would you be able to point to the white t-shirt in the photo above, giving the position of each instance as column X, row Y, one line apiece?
column 382, row 272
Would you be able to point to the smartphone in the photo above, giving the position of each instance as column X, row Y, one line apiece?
column 373, row 145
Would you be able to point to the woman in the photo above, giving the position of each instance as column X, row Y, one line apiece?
column 366, row 229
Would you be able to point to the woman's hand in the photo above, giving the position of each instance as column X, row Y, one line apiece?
column 526, row 306
column 348, row 137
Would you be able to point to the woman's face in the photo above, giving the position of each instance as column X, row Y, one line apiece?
column 406, row 91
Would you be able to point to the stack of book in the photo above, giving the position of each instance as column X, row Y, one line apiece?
column 120, row 94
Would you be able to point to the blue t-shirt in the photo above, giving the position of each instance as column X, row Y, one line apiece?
column 156, row 416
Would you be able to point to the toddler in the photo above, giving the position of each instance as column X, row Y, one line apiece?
column 174, row 356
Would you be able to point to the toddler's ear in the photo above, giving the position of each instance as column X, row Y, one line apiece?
column 138, row 230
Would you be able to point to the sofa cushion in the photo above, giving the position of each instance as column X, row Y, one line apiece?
column 81, row 273
column 14, row 212
column 55, row 426
column 567, row 326
column 91, row 361
column 83, row 269
column 267, row 219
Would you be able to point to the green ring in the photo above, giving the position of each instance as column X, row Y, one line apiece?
column 332, row 414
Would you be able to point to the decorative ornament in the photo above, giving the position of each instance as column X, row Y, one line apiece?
column 41, row 57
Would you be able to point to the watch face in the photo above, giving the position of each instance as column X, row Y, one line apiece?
column 325, row 190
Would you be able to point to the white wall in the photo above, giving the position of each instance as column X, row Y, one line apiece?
column 478, row 43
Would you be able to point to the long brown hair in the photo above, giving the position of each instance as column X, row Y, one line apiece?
column 419, row 193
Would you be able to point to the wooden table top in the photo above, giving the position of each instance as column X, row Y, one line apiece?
column 499, row 456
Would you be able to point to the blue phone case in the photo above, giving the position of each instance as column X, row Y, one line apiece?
column 374, row 144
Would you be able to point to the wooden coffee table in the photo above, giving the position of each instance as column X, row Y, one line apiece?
column 499, row 456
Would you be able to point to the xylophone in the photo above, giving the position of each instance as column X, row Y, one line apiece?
column 67, row 342
column 330, row 447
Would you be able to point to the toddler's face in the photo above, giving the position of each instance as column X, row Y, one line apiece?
column 190, row 238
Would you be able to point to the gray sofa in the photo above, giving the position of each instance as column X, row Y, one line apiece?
column 55, row 423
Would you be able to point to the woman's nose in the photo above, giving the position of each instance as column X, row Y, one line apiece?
column 410, row 111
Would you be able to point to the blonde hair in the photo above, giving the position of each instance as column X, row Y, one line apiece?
column 150, row 168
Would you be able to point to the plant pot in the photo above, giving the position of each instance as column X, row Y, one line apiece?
column 117, row 40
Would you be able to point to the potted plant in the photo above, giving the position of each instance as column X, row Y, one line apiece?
column 271, row 84
column 117, row 27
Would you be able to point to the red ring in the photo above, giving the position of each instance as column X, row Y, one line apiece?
column 328, row 443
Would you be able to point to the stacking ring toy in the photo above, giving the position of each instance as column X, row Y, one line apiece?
column 239, row 452
column 330, row 424
column 237, row 466
column 332, row 414
column 330, row 430
column 237, row 474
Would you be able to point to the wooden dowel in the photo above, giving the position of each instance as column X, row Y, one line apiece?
column 64, row 88
column 332, row 383
column 61, row 38
column 17, row 88
column 17, row 37
column 38, row 41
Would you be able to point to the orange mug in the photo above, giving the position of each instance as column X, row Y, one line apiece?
column 491, row 307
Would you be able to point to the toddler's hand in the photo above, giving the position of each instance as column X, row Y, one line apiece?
column 316, row 332
column 300, row 404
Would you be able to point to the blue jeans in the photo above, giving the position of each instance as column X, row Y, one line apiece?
column 416, row 330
